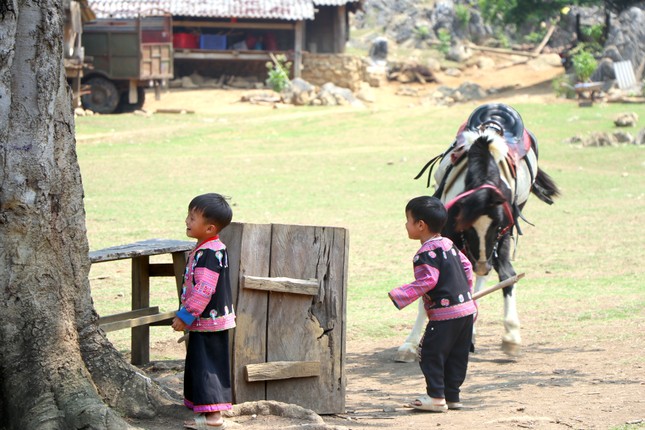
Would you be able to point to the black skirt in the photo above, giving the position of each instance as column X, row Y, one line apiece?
column 207, row 374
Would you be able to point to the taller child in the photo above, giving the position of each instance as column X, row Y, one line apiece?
column 444, row 279
column 207, row 313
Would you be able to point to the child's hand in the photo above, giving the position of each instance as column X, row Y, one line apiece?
column 178, row 324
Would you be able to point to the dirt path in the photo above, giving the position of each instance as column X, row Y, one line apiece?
column 554, row 383
column 530, row 81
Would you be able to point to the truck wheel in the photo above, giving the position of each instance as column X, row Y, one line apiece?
column 103, row 97
column 125, row 106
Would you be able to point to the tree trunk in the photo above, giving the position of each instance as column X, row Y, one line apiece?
column 57, row 369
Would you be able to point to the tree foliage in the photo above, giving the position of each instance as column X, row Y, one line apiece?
column 527, row 11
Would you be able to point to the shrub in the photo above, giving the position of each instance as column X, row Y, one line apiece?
column 584, row 65
column 462, row 12
column 421, row 32
column 595, row 32
column 278, row 73
column 444, row 40
column 563, row 87
column 535, row 36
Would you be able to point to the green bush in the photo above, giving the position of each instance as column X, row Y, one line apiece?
column 278, row 73
column 502, row 38
column 535, row 36
column 462, row 12
column 584, row 65
column 421, row 32
column 444, row 40
column 595, row 32
column 563, row 87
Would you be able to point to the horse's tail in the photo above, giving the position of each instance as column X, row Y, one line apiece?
column 544, row 187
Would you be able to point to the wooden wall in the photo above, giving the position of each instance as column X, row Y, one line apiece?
column 290, row 284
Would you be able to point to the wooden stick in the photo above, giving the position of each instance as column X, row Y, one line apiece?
column 548, row 35
column 504, row 283
column 500, row 50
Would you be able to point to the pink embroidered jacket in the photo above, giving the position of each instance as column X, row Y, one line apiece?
column 443, row 277
column 206, row 299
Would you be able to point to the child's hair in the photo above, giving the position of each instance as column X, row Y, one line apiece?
column 429, row 210
column 214, row 208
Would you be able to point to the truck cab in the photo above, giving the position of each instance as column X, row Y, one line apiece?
column 122, row 58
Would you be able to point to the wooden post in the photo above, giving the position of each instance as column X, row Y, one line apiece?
column 299, row 42
column 340, row 37
column 140, row 340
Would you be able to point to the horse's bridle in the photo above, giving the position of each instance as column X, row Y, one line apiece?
column 500, row 233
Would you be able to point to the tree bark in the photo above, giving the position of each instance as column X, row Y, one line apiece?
column 57, row 368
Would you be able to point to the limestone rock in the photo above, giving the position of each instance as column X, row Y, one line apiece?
column 628, row 119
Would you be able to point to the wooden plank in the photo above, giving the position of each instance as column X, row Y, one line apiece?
column 235, row 25
column 222, row 55
column 282, row 285
column 161, row 269
column 139, row 322
column 496, row 50
column 335, row 304
column 138, row 249
column 305, row 329
column 542, row 44
column 231, row 236
column 281, row 370
column 127, row 315
column 251, row 310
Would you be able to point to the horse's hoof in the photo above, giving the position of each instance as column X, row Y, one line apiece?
column 406, row 356
column 511, row 349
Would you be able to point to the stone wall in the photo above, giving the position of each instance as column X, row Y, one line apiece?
column 342, row 70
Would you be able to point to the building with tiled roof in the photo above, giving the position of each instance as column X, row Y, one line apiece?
column 209, row 31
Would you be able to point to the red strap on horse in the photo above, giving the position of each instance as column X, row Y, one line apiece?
column 507, row 207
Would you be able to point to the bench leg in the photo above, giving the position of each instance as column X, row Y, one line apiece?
column 140, row 336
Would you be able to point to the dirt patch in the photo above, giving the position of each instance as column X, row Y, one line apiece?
column 554, row 383
column 515, row 82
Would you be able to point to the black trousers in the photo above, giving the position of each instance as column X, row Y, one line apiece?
column 444, row 351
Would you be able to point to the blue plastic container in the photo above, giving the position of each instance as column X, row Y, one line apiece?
column 212, row 41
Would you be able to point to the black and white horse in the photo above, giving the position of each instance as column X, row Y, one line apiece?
column 484, row 179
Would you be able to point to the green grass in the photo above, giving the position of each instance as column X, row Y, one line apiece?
column 640, row 425
column 354, row 169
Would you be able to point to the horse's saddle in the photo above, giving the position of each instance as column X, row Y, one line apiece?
column 505, row 121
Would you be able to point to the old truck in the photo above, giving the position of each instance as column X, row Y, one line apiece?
column 123, row 57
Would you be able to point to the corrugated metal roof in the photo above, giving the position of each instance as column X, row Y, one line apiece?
column 294, row 10
column 332, row 2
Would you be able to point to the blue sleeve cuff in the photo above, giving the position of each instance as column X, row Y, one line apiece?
column 393, row 301
column 185, row 316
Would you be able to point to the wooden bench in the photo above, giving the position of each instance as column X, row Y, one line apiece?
column 142, row 315
column 587, row 92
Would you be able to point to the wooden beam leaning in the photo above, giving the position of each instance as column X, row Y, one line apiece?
column 308, row 287
column 138, row 322
column 128, row 315
column 281, row 370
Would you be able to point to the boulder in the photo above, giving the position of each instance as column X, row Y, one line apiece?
column 299, row 92
column 628, row 119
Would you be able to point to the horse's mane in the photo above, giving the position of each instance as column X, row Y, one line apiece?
column 483, row 156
